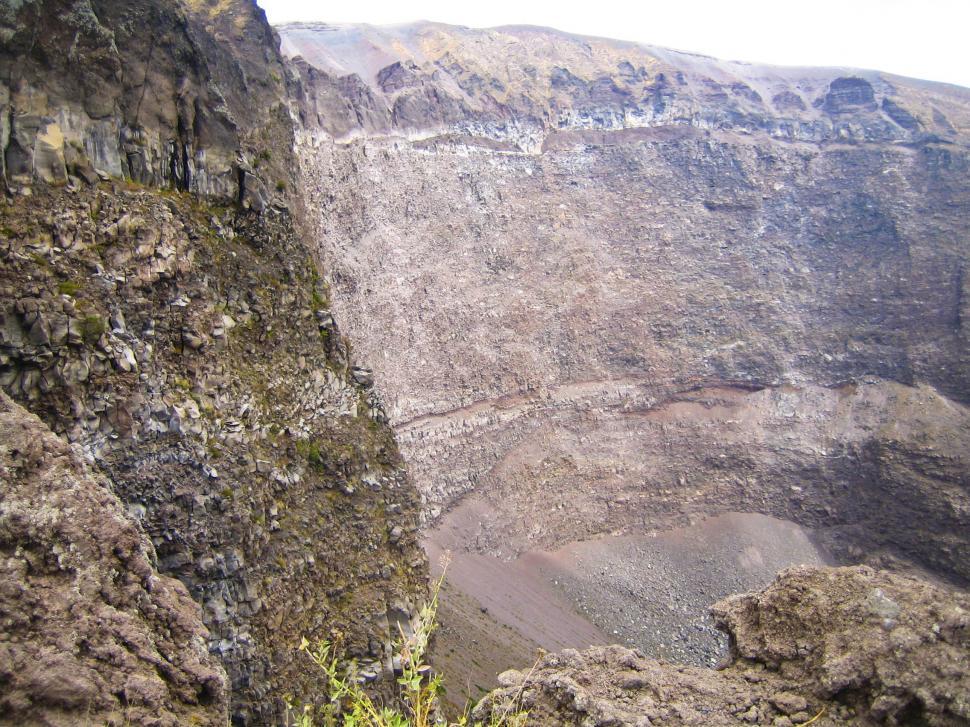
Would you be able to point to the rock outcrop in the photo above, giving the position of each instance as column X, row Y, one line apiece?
column 837, row 646
column 160, row 309
column 188, row 94
column 91, row 632
column 188, row 349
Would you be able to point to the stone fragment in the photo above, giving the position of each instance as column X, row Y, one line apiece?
column 814, row 621
column 364, row 377
column 789, row 703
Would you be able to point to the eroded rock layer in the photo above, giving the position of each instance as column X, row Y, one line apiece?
column 837, row 646
column 605, row 286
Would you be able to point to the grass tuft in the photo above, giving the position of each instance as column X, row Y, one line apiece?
column 348, row 705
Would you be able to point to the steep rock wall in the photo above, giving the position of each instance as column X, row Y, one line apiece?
column 550, row 245
column 183, row 94
column 188, row 349
column 160, row 309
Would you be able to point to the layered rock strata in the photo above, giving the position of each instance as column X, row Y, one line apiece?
column 606, row 286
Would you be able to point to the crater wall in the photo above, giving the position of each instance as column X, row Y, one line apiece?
column 604, row 286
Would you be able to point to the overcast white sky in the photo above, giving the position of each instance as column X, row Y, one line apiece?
column 926, row 39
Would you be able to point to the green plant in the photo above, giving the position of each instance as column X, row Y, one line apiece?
column 350, row 706
column 68, row 287
column 92, row 327
column 311, row 451
column 318, row 300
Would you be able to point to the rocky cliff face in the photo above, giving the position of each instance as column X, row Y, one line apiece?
column 160, row 310
column 186, row 94
column 89, row 626
column 837, row 646
column 517, row 88
column 606, row 286
column 187, row 348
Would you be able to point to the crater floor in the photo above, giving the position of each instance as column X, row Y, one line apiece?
column 651, row 592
